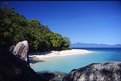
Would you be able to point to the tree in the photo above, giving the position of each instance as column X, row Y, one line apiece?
column 14, row 27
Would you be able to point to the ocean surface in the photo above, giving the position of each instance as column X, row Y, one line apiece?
column 67, row 63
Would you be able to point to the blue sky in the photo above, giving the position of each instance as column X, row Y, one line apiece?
column 87, row 22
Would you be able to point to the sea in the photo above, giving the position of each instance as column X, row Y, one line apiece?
column 67, row 63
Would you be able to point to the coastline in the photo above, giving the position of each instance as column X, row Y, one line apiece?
column 62, row 53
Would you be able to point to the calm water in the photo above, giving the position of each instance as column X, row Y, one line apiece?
column 67, row 63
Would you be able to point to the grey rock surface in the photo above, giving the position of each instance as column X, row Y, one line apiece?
column 15, row 69
column 96, row 72
column 53, row 76
column 21, row 50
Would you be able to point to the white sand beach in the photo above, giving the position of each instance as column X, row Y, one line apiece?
column 54, row 54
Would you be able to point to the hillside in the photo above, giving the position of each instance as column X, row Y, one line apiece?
column 14, row 27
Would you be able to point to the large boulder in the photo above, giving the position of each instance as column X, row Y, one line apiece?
column 15, row 69
column 96, row 72
column 20, row 50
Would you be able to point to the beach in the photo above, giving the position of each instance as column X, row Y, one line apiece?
column 54, row 54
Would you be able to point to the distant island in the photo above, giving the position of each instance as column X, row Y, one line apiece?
column 94, row 45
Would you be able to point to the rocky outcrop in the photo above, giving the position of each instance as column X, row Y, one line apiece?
column 96, row 72
column 20, row 50
column 53, row 76
column 15, row 69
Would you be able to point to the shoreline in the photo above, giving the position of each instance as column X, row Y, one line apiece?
column 53, row 54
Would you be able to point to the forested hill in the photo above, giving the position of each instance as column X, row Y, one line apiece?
column 14, row 27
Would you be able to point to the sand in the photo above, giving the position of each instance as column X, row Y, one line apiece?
column 54, row 54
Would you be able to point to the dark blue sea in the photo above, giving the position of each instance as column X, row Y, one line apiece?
column 67, row 63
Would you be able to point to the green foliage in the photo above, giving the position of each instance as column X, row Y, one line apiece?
column 15, row 27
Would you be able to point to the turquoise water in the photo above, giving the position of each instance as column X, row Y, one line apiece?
column 67, row 63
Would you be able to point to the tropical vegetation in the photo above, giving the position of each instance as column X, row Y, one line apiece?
column 14, row 27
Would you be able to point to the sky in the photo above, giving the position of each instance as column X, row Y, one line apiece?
column 81, row 21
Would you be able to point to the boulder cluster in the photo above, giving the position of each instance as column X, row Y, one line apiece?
column 96, row 72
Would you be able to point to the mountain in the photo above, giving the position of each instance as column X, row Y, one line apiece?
column 94, row 45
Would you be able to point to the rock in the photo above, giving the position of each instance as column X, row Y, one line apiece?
column 15, row 69
column 21, row 50
column 12, row 48
column 58, row 76
column 96, row 72
column 53, row 76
